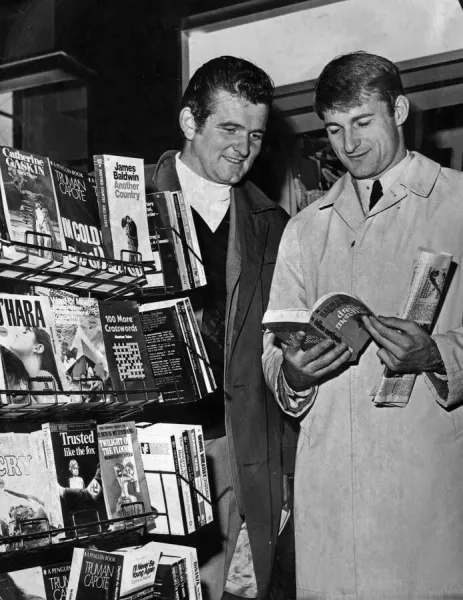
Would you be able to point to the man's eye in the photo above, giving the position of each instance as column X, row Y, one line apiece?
column 256, row 137
column 364, row 123
column 229, row 129
column 333, row 130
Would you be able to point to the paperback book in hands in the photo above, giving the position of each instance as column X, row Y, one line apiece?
column 337, row 316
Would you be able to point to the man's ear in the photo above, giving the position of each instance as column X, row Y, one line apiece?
column 39, row 348
column 401, row 109
column 187, row 123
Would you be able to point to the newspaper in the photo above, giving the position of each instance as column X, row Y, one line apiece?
column 420, row 304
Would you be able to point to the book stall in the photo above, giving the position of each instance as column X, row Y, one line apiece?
column 95, row 502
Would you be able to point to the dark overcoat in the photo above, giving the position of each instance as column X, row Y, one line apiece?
column 259, row 440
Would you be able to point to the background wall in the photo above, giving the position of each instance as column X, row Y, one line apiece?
column 294, row 47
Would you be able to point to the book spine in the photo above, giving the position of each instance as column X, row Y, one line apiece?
column 103, row 205
column 191, row 349
column 178, row 244
column 179, row 483
column 176, row 580
column 118, row 583
column 183, row 350
column 186, row 252
column 197, row 472
column 204, row 474
column 191, row 477
column 50, row 462
column 74, row 574
column 201, row 348
column 188, row 226
column 187, row 496
column 195, row 575
column 195, row 244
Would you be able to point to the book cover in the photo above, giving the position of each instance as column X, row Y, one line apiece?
column 80, row 219
column 25, row 502
column 166, row 243
column 126, row 350
column 139, row 568
column 173, row 432
column 94, row 575
column 71, row 451
column 56, row 579
column 121, row 191
column 29, row 204
column 167, row 584
column 194, row 251
column 168, row 354
column 336, row 316
column 165, row 488
column 36, row 583
column 124, row 482
column 29, row 349
column 80, row 343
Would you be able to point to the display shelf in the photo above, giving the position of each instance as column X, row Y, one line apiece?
column 103, row 405
column 89, row 531
column 39, row 264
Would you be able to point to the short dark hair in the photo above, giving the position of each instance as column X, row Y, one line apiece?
column 230, row 74
column 348, row 79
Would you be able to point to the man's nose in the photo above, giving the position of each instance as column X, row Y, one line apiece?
column 351, row 142
column 242, row 146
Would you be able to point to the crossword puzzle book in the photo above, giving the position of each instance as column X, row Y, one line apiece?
column 126, row 351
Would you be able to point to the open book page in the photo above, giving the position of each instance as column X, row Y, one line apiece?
column 336, row 316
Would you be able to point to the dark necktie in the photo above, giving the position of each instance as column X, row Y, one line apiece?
column 376, row 193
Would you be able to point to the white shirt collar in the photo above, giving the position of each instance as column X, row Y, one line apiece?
column 211, row 200
column 387, row 180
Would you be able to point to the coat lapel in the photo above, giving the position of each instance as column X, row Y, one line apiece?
column 251, row 231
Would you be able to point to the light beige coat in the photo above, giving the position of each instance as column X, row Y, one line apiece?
column 379, row 491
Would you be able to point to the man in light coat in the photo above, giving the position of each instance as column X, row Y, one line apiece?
column 378, row 490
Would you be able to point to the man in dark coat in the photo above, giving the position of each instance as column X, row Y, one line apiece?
column 223, row 119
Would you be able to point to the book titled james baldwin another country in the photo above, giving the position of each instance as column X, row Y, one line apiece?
column 336, row 316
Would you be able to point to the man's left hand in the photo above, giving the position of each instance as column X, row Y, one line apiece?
column 405, row 347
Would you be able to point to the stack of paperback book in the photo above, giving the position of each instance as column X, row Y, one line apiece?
column 154, row 571
column 52, row 208
column 78, row 478
column 55, row 342
column 175, row 466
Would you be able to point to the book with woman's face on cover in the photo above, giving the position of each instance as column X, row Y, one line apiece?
column 29, row 350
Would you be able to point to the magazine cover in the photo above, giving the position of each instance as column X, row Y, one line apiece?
column 124, row 482
column 56, row 579
column 29, row 349
column 80, row 218
column 80, row 342
column 121, row 191
column 29, row 202
column 128, row 361
column 24, row 490
column 71, row 450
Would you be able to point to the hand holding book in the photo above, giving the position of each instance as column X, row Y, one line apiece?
column 303, row 369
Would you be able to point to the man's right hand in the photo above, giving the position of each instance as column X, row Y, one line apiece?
column 304, row 369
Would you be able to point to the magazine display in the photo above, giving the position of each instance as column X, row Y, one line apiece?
column 24, row 490
column 71, row 450
column 421, row 303
column 30, row 212
column 29, row 349
column 336, row 316
column 80, row 219
column 124, row 482
column 126, row 352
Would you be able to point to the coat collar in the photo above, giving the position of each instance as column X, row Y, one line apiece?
column 419, row 177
